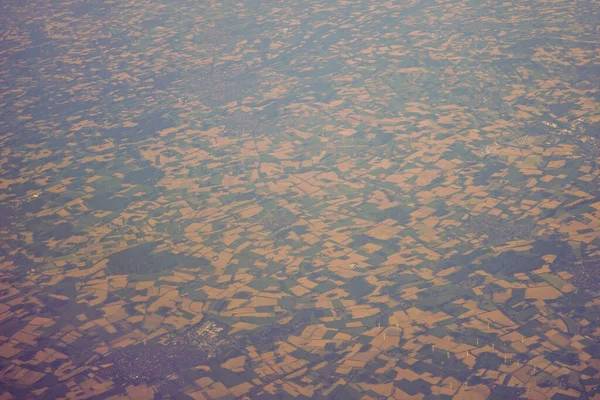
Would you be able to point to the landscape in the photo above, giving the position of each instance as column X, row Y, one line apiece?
column 313, row 200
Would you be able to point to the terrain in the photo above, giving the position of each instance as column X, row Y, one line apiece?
column 259, row 200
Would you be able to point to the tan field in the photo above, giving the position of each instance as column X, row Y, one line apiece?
column 326, row 199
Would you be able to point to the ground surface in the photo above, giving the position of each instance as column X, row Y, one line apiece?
column 300, row 199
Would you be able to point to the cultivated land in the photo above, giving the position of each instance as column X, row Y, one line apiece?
column 351, row 200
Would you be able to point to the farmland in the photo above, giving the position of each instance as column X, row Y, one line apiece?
column 260, row 200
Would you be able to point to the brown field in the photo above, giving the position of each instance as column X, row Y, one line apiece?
column 299, row 199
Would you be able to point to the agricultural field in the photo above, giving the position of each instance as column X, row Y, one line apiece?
column 313, row 200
